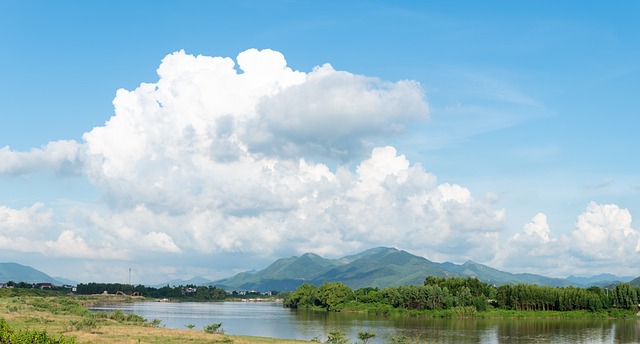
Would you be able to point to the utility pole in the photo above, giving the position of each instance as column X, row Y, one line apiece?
column 129, row 276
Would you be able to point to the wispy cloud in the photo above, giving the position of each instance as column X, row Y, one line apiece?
column 601, row 184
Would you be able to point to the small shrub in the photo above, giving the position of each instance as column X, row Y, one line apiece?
column 337, row 337
column 365, row 336
column 155, row 323
column 9, row 335
column 190, row 326
column 118, row 316
column 87, row 323
column 399, row 339
column 101, row 315
column 135, row 318
column 213, row 328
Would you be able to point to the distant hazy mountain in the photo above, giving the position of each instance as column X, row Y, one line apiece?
column 65, row 281
column 22, row 273
column 496, row 277
column 635, row 281
column 379, row 267
column 600, row 280
column 193, row 281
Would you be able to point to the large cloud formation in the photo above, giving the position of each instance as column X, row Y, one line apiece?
column 602, row 241
column 217, row 157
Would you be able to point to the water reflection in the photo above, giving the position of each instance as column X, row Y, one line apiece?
column 271, row 320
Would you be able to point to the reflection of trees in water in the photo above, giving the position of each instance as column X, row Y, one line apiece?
column 627, row 331
column 567, row 331
column 475, row 330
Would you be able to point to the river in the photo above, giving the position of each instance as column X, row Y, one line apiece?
column 272, row 320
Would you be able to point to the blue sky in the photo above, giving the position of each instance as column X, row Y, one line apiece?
column 532, row 110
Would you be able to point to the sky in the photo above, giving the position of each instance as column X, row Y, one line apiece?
column 206, row 138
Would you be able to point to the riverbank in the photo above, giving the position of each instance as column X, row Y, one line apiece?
column 67, row 316
column 471, row 312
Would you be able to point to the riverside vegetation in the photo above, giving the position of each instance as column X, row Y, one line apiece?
column 51, row 317
column 455, row 297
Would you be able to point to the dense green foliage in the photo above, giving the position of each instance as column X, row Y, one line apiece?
column 466, row 296
column 199, row 293
column 11, row 336
column 11, row 292
column 213, row 328
column 532, row 297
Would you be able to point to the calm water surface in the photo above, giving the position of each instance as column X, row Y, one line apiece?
column 272, row 320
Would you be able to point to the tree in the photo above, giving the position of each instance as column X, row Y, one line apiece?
column 330, row 295
column 365, row 336
column 304, row 296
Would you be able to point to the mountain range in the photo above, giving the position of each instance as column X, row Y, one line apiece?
column 378, row 267
column 602, row 280
column 382, row 267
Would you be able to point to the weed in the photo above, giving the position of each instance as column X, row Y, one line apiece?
column 9, row 335
column 101, row 315
column 78, row 325
column 226, row 339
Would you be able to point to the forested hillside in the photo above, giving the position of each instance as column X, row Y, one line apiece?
column 378, row 268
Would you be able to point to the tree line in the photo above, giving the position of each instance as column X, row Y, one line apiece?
column 202, row 293
column 439, row 293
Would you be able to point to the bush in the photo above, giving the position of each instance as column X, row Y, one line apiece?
column 87, row 323
column 337, row 337
column 101, row 315
column 380, row 309
column 118, row 316
column 155, row 323
column 8, row 336
column 213, row 328
column 135, row 318
column 365, row 336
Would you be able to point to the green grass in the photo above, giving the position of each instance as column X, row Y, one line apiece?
column 43, row 317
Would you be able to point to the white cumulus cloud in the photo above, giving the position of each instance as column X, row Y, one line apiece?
column 603, row 233
column 70, row 244
column 23, row 229
column 333, row 113
column 63, row 156
column 249, row 156
column 601, row 241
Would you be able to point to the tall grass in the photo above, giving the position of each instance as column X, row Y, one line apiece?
column 9, row 335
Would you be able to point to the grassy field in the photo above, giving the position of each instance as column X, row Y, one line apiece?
column 59, row 315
